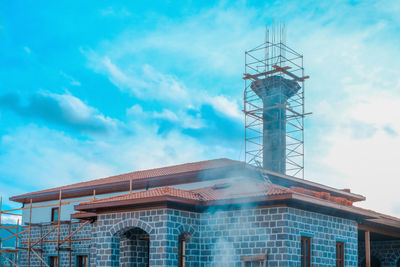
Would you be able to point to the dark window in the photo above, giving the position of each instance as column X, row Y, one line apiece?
column 82, row 261
column 339, row 254
column 305, row 251
column 53, row 261
column 374, row 262
column 183, row 239
column 54, row 214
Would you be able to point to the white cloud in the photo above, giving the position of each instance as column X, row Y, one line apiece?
column 227, row 107
column 113, row 12
column 166, row 114
column 213, row 40
column 354, row 95
column 149, row 83
column 48, row 157
column 10, row 219
column 51, row 158
column 146, row 83
column 72, row 80
column 27, row 49
column 353, row 91
column 181, row 118
column 75, row 111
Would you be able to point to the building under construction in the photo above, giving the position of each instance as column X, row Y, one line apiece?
column 221, row 212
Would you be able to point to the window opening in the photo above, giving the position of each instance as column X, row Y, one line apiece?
column 54, row 214
column 182, row 240
column 53, row 261
column 305, row 251
column 339, row 254
column 82, row 261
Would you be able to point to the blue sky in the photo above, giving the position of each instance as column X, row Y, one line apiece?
column 96, row 88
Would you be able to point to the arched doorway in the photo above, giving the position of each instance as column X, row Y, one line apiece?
column 131, row 248
column 374, row 262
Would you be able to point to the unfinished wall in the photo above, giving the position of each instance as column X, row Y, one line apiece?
column 48, row 248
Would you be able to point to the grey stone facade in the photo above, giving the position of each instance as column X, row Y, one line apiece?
column 217, row 238
column 47, row 249
column 387, row 252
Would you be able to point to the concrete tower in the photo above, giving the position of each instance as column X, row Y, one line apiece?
column 273, row 99
column 274, row 92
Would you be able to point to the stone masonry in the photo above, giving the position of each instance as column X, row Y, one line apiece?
column 387, row 252
column 47, row 249
column 218, row 238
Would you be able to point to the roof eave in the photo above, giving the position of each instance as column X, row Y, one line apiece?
column 122, row 186
column 288, row 181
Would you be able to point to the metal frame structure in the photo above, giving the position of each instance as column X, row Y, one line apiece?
column 31, row 245
column 275, row 58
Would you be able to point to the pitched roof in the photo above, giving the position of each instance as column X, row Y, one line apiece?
column 136, row 177
column 173, row 175
column 216, row 192
column 203, row 196
column 157, row 192
column 234, row 190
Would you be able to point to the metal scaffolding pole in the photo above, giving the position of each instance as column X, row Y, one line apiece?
column 274, row 106
column 29, row 243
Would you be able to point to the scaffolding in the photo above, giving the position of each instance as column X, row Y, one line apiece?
column 274, row 106
column 34, row 247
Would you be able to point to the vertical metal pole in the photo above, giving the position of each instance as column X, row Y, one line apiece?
column 41, row 245
column 302, row 117
column 244, row 108
column 1, row 212
column 367, row 250
column 16, row 244
column 70, row 244
column 58, row 230
column 29, row 236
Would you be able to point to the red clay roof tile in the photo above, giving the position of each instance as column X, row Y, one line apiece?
column 143, row 174
column 227, row 191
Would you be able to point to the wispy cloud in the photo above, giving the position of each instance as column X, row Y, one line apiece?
column 53, row 158
column 72, row 80
column 145, row 82
column 115, row 12
column 27, row 49
column 213, row 40
column 61, row 109
column 180, row 77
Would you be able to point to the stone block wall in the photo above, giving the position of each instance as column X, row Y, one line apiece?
column 163, row 227
column 134, row 248
column 387, row 252
column 46, row 248
column 324, row 231
column 218, row 238
column 228, row 235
